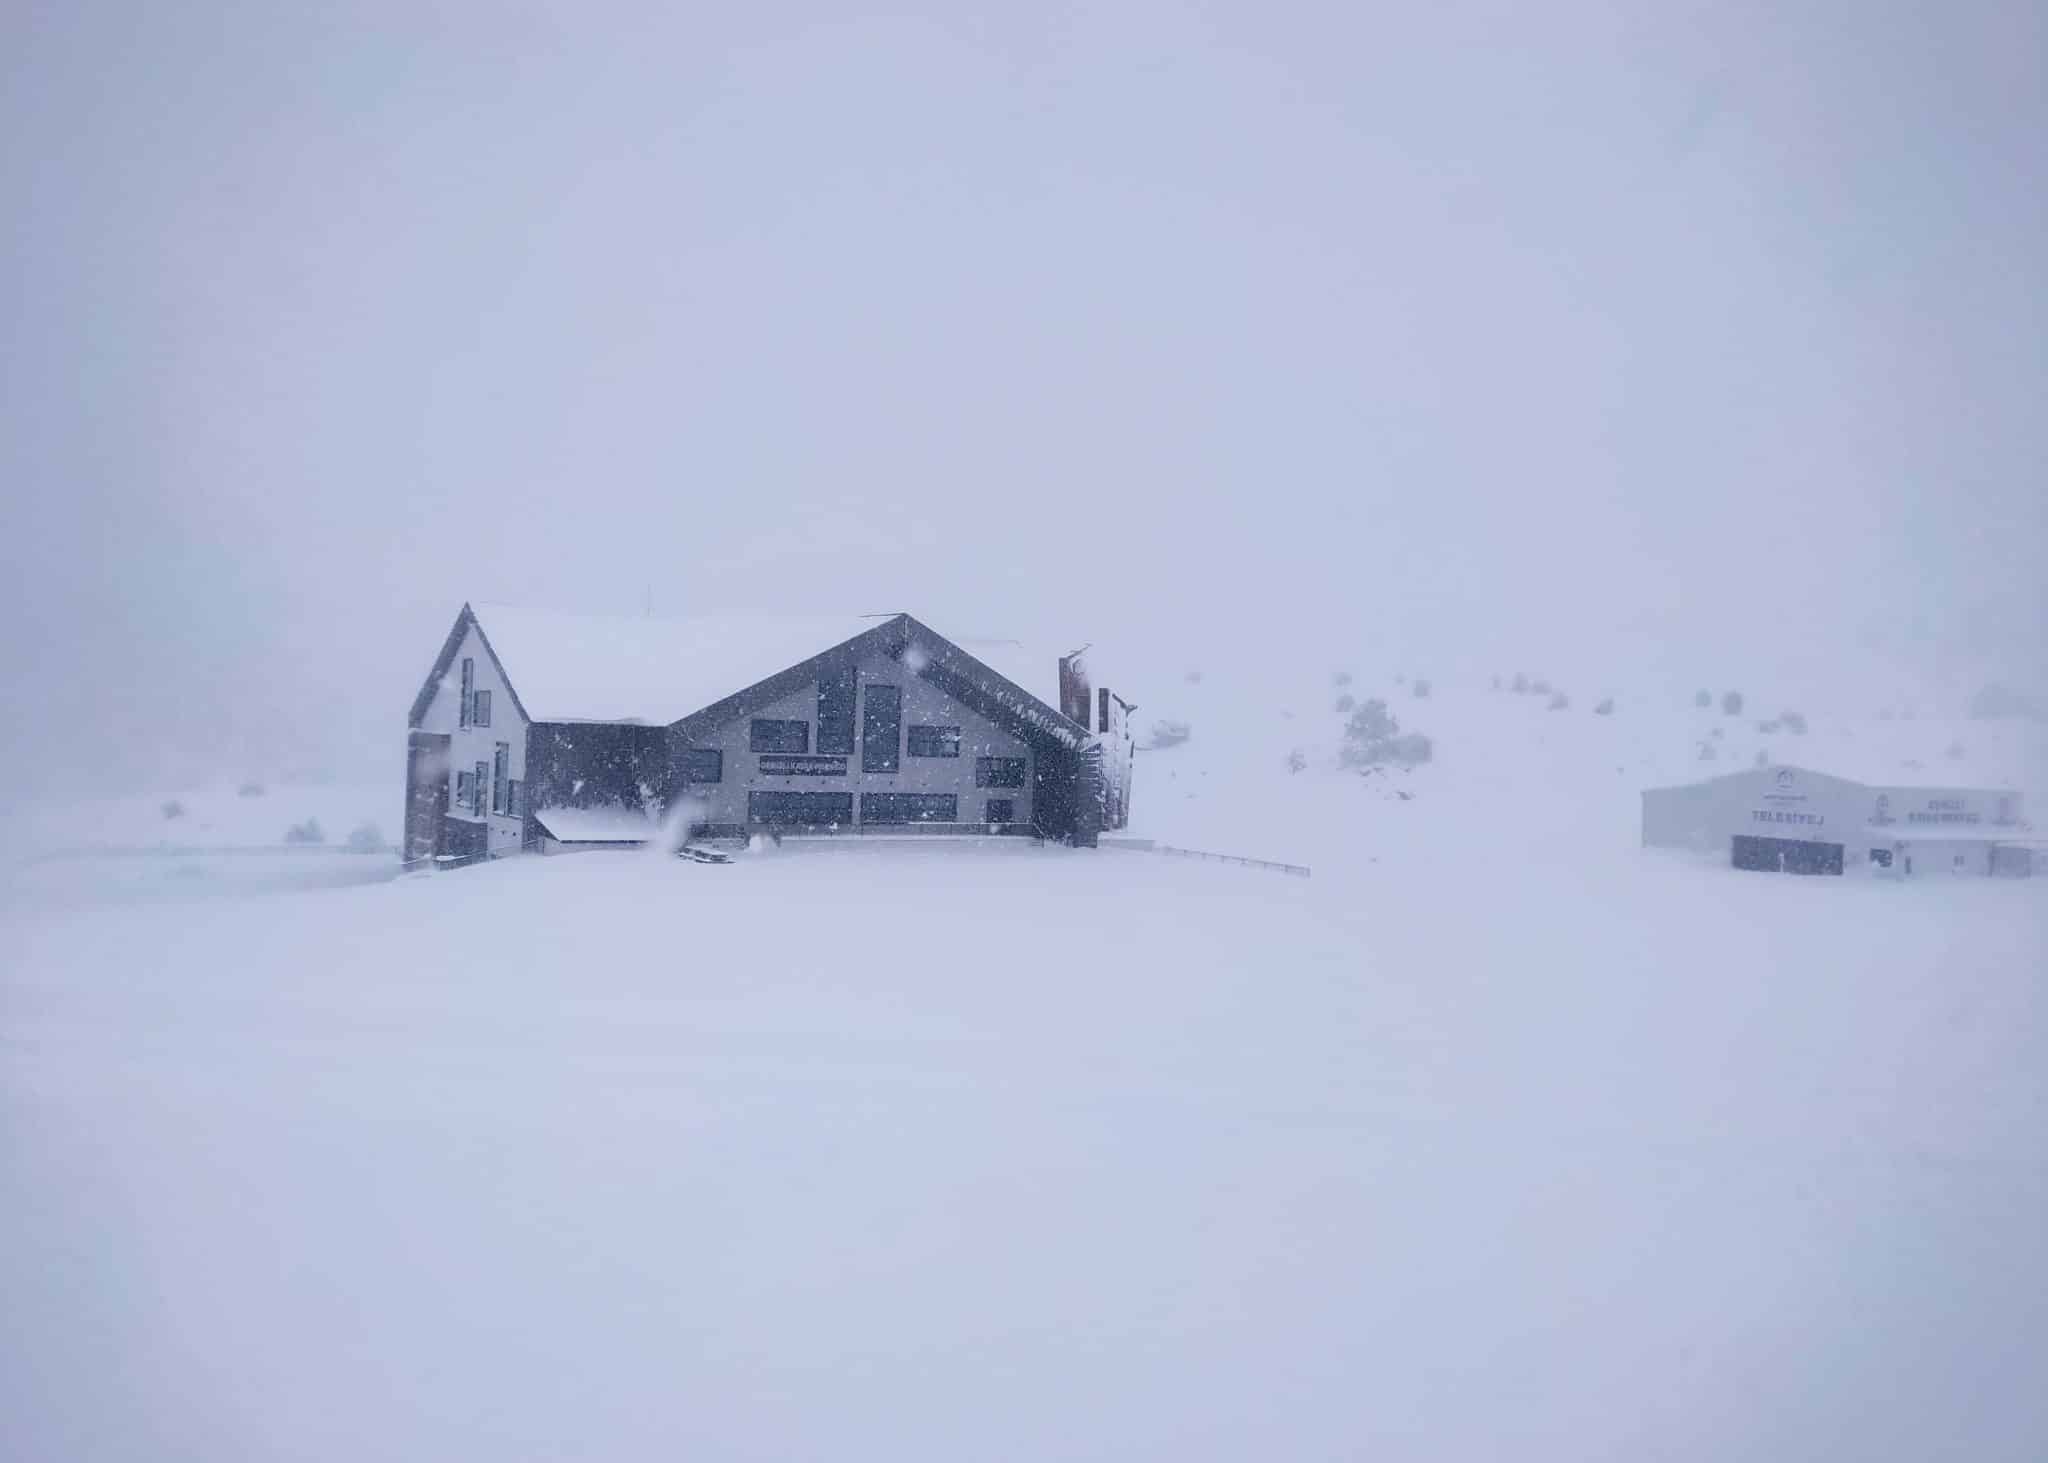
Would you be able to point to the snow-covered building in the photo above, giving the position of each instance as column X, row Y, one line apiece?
column 1790, row 820
column 537, row 730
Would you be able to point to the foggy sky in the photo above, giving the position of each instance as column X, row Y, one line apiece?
column 1708, row 330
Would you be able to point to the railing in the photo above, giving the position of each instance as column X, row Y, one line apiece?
column 1147, row 845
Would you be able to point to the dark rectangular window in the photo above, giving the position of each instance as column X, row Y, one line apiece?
column 1102, row 700
column 998, row 771
column 778, row 765
column 1000, row 810
column 779, row 736
column 800, row 809
column 468, row 690
column 515, row 797
column 835, row 711
column 480, row 708
column 703, row 764
column 464, row 782
column 881, row 730
column 501, row 777
column 479, row 788
column 934, row 741
column 909, row 807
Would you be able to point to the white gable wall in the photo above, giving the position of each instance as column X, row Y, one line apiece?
column 471, row 745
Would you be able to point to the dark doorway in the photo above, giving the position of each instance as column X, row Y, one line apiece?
column 1786, row 855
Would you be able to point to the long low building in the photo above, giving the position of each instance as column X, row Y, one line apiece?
column 1790, row 820
column 536, row 730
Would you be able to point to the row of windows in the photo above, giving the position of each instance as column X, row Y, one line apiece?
column 835, row 809
column 707, row 764
column 881, row 729
column 492, row 780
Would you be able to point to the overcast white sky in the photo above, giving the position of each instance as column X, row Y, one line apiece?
column 1498, row 325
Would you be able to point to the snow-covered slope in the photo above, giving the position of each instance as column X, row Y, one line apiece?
column 1497, row 1138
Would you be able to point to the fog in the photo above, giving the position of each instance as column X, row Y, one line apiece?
column 1684, row 337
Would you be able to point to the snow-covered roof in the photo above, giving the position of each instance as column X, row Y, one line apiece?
column 576, row 667
column 596, row 825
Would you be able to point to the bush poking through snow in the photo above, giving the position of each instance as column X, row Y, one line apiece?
column 249, row 790
column 1345, row 703
column 1793, row 722
column 1297, row 760
column 1421, row 687
column 174, row 809
column 1167, row 734
column 1521, row 684
column 365, row 838
column 1605, row 708
column 1560, row 702
column 306, row 832
column 1340, row 678
column 1731, row 704
column 1703, row 699
column 1373, row 738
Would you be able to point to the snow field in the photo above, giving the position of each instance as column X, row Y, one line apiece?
column 908, row 1151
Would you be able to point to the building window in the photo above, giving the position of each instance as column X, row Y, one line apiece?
column 998, row 771
column 800, row 809
column 480, row 708
column 934, row 741
column 779, row 736
column 909, row 807
column 1102, row 700
column 1000, row 810
column 881, row 731
column 515, row 797
column 468, row 690
column 501, row 777
column 465, row 793
column 835, row 711
column 703, row 764
column 479, row 785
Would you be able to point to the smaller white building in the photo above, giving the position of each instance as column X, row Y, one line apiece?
column 1790, row 820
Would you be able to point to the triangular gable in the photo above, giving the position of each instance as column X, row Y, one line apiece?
column 463, row 623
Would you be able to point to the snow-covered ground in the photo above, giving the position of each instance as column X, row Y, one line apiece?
column 1497, row 1138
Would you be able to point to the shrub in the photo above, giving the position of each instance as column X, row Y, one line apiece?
column 1560, row 701
column 174, row 809
column 306, row 832
column 1793, row 722
column 1496, row 683
column 1368, row 735
column 1731, row 704
column 1521, row 685
column 1708, row 752
column 1345, row 703
column 1703, row 698
column 1168, row 734
column 1767, row 727
column 1297, row 760
column 249, row 790
column 1340, row 678
column 1605, row 708
column 1540, row 688
column 1421, row 686
column 365, row 838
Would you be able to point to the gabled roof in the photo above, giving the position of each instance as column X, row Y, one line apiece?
column 576, row 667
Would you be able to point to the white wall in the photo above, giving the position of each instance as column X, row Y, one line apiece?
column 923, row 702
column 471, row 745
